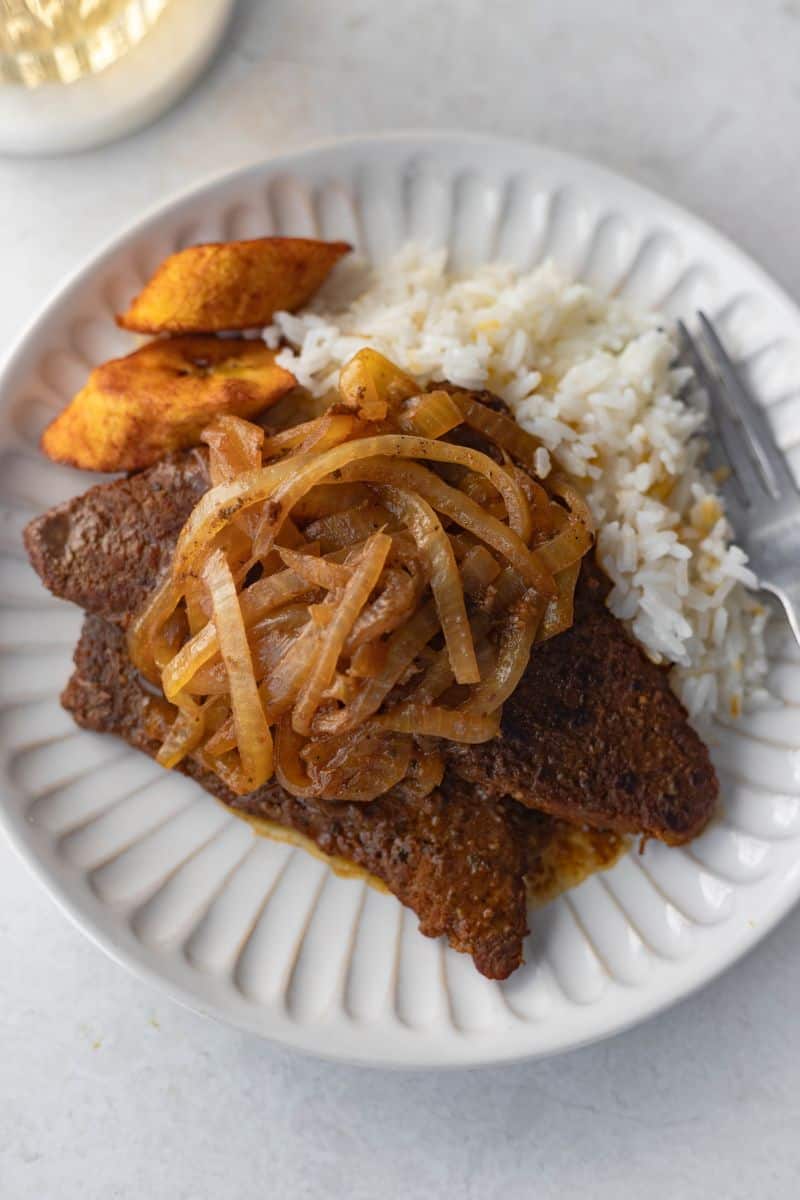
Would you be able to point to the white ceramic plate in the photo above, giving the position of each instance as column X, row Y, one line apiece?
column 265, row 936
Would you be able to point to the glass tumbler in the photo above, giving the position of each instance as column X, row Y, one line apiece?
column 44, row 41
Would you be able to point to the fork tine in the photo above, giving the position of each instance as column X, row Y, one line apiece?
column 752, row 488
column 738, row 488
column 755, row 426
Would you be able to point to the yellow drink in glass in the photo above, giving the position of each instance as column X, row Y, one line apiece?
column 44, row 41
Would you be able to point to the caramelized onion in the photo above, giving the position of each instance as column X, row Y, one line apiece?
column 252, row 732
column 315, row 571
column 185, row 733
column 368, row 660
column 425, row 771
column 320, row 434
column 223, row 741
column 437, row 679
column 181, row 669
column 327, row 499
column 361, row 587
column 269, row 644
column 478, row 569
column 371, row 384
column 401, row 650
column 331, row 430
column 460, row 508
column 312, row 471
column 431, row 415
column 558, row 615
column 354, row 597
column 516, row 639
column 433, row 721
column 569, row 545
column 148, row 648
column 500, row 429
column 396, row 602
column 358, row 768
column 234, row 446
column 279, row 690
column 349, row 527
column 290, row 770
column 256, row 601
column 436, row 551
column 563, row 487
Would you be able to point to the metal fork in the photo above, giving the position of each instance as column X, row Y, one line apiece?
column 760, row 492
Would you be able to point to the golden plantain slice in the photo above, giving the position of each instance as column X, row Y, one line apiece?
column 136, row 409
column 231, row 285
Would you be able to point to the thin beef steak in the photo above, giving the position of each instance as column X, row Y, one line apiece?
column 593, row 734
column 459, row 861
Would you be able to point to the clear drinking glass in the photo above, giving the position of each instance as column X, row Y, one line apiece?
column 45, row 41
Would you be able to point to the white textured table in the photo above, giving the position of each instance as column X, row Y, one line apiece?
column 107, row 1090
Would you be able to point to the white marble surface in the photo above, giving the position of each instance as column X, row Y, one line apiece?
column 109, row 1091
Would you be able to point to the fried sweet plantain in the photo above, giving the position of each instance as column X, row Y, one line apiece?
column 136, row 409
column 231, row 285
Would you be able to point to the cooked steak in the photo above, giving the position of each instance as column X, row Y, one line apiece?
column 103, row 550
column 592, row 734
column 458, row 860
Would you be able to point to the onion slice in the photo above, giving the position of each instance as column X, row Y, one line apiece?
column 315, row 571
column 398, row 598
column 465, row 511
column 279, row 690
column 569, row 545
column 436, row 550
column 516, row 640
column 331, row 642
column 146, row 645
column 401, row 650
column 234, row 446
column 283, row 483
column 500, row 429
column 559, row 614
column 261, row 598
column 478, row 569
column 431, row 415
column 194, row 654
column 185, row 734
column 425, row 771
column 351, row 526
column 371, row 384
column 433, row 721
column 290, row 769
column 563, row 487
column 252, row 732
column 285, row 489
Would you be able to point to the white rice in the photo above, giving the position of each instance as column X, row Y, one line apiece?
column 594, row 382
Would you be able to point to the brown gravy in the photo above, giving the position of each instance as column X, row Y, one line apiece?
column 570, row 857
